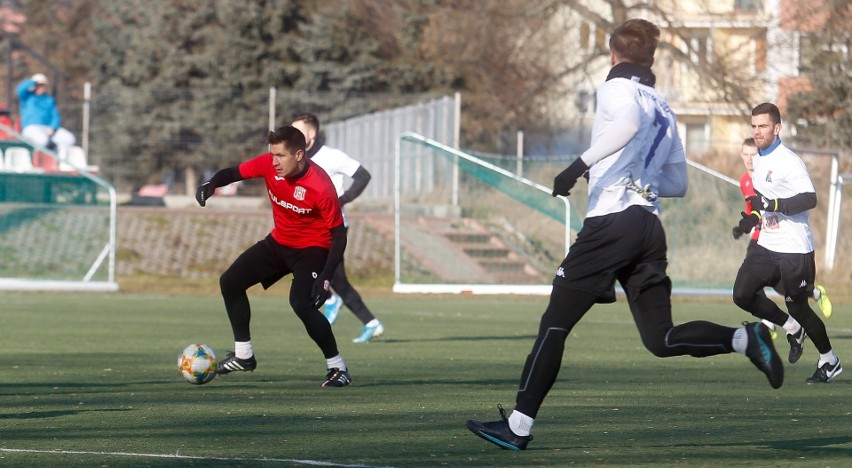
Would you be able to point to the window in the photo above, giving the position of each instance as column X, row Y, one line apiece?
column 748, row 6
column 696, row 138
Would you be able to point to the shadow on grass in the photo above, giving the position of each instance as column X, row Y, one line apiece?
column 822, row 444
column 57, row 414
column 458, row 338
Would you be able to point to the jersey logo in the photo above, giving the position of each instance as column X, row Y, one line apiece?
column 299, row 193
column 769, row 176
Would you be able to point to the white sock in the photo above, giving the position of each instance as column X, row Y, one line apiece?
column 335, row 363
column 828, row 357
column 768, row 324
column 792, row 326
column 373, row 323
column 740, row 341
column 243, row 350
column 520, row 423
column 816, row 294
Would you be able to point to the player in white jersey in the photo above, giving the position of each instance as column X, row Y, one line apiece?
column 784, row 255
column 339, row 166
column 635, row 158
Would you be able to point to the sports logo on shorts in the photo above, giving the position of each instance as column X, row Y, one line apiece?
column 299, row 193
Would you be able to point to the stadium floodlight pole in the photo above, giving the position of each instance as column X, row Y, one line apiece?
column 835, row 210
column 833, row 216
column 272, row 92
column 397, row 262
column 520, row 154
column 456, row 144
column 87, row 100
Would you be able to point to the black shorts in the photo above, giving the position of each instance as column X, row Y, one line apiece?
column 629, row 246
column 267, row 261
column 791, row 274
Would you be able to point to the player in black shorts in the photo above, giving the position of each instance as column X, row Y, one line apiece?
column 784, row 255
column 635, row 157
column 308, row 240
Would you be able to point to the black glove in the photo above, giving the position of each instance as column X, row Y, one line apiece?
column 319, row 291
column 737, row 232
column 749, row 222
column 761, row 203
column 564, row 182
column 205, row 191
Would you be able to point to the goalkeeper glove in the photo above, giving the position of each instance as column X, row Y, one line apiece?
column 761, row 203
column 319, row 291
column 205, row 191
column 564, row 182
column 749, row 222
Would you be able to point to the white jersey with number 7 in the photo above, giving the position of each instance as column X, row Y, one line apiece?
column 634, row 135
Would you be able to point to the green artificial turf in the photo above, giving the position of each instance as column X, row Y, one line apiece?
column 91, row 380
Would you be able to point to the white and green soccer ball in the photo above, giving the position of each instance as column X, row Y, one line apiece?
column 197, row 364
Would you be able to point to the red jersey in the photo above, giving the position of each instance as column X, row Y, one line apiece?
column 747, row 188
column 304, row 210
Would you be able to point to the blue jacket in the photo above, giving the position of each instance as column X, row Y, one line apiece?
column 36, row 109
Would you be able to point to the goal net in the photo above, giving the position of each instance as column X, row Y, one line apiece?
column 464, row 224
column 57, row 223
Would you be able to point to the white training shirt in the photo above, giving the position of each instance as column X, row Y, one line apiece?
column 782, row 174
column 338, row 165
column 634, row 144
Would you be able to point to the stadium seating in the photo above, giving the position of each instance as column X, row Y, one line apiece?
column 76, row 160
column 18, row 159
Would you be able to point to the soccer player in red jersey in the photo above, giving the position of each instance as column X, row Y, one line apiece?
column 308, row 240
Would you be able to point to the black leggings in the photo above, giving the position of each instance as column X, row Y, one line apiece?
column 651, row 308
column 351, row 298
column 266, row 262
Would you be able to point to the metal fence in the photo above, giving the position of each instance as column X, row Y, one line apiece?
column 371, row 139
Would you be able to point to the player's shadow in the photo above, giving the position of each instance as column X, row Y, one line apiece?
column 56, row 414
column 457, row 338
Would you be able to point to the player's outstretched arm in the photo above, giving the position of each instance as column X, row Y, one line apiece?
column 221, row 178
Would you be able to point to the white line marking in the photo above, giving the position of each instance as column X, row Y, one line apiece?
column 187, row 457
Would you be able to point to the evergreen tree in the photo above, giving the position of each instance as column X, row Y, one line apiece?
column 185, row 84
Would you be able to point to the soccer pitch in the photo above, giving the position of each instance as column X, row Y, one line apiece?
column 91, row 380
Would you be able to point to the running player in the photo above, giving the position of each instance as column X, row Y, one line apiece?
column 747, row 153
column 784, row 255
column 635, row 157
column 308, row 240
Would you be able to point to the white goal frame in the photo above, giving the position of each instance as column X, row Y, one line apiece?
column 107, row 253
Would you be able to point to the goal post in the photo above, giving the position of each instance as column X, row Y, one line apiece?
column 58, row 223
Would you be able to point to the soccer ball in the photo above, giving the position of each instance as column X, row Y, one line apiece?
column 197, row 364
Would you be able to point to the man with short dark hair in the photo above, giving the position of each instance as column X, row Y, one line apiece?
column 635, row 158
column 784, row 255
column 748, row 152
column 308, row 240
